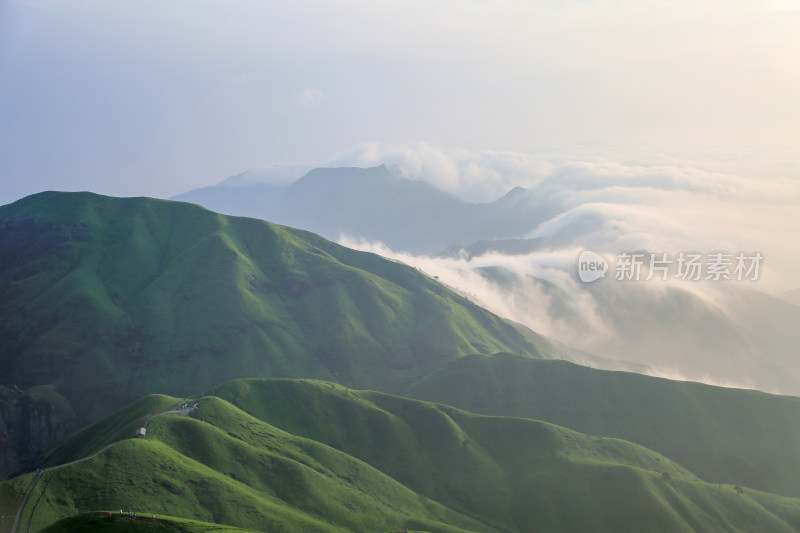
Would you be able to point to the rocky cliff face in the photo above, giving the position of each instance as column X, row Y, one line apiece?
column 31, row 421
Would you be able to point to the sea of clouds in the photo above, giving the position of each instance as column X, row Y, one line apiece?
column 612, row 208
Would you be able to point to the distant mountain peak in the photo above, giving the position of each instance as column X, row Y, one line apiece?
column 514, row 195
column 275, row 175
column 379, row 172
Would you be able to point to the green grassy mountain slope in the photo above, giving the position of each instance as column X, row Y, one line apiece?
column 453, row 467
column 223, row 466
column 108, row 299
column 289, row 455
column 720, row 434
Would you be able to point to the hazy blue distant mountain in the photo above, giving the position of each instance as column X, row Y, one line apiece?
column 254, row 201
column 376, row 204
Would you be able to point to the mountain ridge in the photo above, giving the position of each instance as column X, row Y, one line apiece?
column 108, row 298
column 331, row 459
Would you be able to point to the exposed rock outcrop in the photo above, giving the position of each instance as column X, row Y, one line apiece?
column 31, row 421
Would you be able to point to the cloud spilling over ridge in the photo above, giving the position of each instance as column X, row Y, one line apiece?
column 517, row 295
column 613, row 206
column 678, row 330
column 697, row 330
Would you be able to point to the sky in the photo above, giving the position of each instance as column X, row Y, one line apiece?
column 157, row 98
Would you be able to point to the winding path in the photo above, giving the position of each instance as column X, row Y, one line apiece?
column 173, row 411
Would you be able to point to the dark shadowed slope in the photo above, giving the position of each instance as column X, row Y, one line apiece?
column 722, row 435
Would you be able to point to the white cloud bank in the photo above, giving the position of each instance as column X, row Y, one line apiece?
column 698, row 330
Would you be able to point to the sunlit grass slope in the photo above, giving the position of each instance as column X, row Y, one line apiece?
column 245, row 473
column 120, row 425
column 109, row 299
column 298, row 455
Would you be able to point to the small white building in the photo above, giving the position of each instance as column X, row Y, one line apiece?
column 141, row 432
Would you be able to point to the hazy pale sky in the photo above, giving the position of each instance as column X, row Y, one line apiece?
column 155, row 98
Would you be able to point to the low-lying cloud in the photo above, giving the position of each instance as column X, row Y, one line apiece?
column 690, row 329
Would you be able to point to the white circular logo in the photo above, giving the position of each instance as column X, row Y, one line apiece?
column 591, row 266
